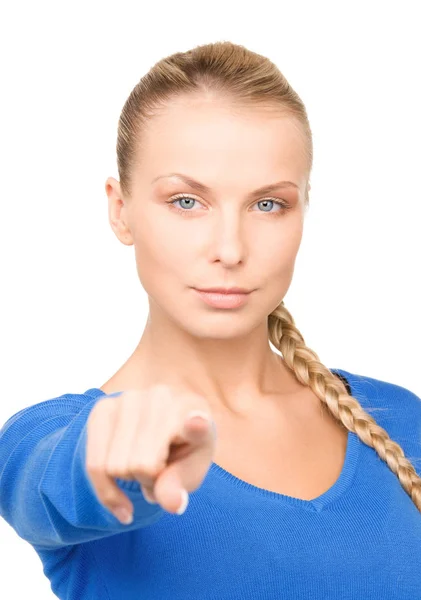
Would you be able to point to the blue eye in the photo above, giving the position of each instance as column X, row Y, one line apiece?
column 185, row 198
column 266, row 201
column 284, row 206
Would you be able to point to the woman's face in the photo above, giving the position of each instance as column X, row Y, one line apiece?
column 225, row 235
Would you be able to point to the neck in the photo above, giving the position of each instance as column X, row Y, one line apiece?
column 233, row 374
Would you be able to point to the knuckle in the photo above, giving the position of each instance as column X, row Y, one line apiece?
column 109, row 498
column 115, row 470
column 161, row 390
column 94, row 468
column 144, row 468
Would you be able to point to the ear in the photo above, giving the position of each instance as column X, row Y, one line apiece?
column 117, row 211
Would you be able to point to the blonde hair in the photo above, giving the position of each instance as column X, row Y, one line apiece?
column 248, row 79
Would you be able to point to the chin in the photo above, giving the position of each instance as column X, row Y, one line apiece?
column 221, row 326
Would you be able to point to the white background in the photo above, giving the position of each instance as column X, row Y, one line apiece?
column 72, row 308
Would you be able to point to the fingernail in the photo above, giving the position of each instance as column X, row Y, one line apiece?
column 124, row 515
column 148, row 497
column 206, row 417
column 198, row 413
column 184, row 502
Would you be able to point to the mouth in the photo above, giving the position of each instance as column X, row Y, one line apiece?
column 223, row 299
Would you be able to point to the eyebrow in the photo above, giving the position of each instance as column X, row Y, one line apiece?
column 266, row 189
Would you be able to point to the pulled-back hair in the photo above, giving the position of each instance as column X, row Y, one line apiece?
column 247, row 79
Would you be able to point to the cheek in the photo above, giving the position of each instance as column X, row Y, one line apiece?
column 162, row 256
column 278, row 246
column 275, row 258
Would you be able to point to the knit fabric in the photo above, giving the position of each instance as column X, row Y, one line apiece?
column 360, row 539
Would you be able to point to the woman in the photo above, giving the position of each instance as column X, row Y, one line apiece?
column 302, row 493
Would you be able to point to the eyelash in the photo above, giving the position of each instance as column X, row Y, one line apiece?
column 284, row 205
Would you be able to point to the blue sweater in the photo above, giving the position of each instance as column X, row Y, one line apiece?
column 359, row 540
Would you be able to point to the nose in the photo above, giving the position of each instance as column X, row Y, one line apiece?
column 228, row 240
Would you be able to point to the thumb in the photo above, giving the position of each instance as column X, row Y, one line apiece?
column 188, row 467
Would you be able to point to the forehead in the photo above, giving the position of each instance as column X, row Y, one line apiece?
column 194, row 133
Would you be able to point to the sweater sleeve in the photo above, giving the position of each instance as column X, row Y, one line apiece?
column 45, row 492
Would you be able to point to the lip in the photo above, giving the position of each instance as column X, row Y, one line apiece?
column 223, row 300
column 221, row 290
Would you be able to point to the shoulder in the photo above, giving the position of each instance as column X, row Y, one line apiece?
column 378, row 393
column 394, row 407
column 68, row 404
